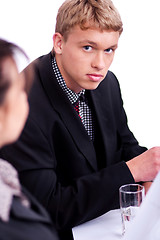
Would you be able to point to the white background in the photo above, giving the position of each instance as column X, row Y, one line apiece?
column 30, row 24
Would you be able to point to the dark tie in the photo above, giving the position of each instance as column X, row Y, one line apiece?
column 76, row 107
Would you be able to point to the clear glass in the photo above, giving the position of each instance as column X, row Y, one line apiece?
column 131, row 197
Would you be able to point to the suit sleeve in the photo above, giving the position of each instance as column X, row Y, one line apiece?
column 130, row 145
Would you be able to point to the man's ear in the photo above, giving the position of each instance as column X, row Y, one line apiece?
column 58, row 43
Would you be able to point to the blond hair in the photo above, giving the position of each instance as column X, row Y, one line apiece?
column 100, row 14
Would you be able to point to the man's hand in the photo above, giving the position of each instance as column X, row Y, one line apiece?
column 145, row 166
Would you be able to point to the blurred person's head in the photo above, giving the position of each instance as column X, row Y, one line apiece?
column 13, row 94
column 86, row 37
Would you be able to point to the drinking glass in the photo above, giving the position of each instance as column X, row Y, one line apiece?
column 131, row 197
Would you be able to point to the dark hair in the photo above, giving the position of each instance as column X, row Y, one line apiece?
column 8, row 50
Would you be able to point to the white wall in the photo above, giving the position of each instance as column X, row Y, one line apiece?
column 30, row 24
column 137, row 67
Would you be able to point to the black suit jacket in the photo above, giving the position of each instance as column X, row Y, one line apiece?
column 27, row 223
column 74, row 178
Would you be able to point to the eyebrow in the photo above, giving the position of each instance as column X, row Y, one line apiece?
column 88, row 42
column 95, row 44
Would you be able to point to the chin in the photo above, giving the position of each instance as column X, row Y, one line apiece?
column 92, row 86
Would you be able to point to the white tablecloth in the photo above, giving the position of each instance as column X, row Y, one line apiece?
column 105, row 227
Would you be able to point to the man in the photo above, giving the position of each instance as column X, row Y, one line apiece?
column 76, row 149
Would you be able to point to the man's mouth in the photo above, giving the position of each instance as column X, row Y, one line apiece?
column 95, row 77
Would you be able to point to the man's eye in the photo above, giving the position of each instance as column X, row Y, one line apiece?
column 109, row 50
column 87, row 48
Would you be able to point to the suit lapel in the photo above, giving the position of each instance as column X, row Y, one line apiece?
column 63, row 107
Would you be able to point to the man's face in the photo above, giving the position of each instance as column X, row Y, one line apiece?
column 85, row 57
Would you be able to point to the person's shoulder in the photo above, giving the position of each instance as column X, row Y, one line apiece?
column 35, row 204
column 111, row 76
column 110, row 80
column 42, row 60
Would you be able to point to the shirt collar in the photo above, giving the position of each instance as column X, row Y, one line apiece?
column 73, row 97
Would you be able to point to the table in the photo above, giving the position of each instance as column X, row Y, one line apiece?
column 105, row 227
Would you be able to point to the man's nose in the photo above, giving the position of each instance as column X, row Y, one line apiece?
column 99, row 61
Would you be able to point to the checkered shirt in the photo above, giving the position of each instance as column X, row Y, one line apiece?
column 84, row 109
